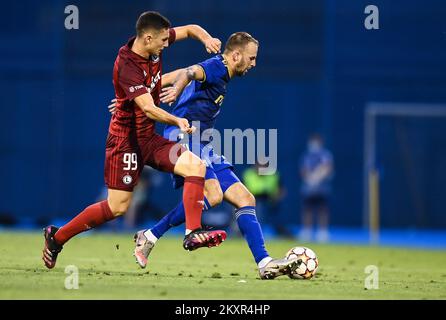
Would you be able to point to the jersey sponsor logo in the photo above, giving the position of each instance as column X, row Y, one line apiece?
column 127, row 179
column 155, row 81
column 134, row 88
column 219, row 100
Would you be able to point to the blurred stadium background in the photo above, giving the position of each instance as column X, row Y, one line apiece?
column 377, row 96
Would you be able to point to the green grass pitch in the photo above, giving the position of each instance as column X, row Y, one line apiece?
column 107, row 270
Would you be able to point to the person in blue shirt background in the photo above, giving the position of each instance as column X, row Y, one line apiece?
column 316, row 171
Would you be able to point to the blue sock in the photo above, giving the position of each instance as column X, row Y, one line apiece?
column 251, row 231
column 174, row 218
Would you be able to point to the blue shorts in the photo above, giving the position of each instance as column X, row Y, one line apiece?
column 217, row 167
column 315, row 201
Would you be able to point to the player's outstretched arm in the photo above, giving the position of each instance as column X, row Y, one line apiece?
column 168, row 79
column 145, row 102
column 182, row 78
column 194, row 31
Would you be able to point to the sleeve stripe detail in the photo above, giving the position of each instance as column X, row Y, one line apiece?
column 204, row 72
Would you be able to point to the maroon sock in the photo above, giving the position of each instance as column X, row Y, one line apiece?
column 91, row 217
column 193, row 201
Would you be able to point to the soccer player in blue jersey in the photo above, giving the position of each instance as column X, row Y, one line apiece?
column 200, row 90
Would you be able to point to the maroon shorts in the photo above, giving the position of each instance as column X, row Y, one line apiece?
column 125, row 157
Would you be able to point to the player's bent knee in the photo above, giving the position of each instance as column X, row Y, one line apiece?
column 215, row 198
column 119, row 209
column 119, row 206
column 196, row 169
column 189, row 164
column 119, row 201
column 202, row 169
column 119, row 212
column 248, row 199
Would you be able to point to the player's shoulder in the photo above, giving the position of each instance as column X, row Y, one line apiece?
column 124, row 50
column 213, row 61
column 129, row 68
column 127, row 62
column 214, row 68
column 126, row 55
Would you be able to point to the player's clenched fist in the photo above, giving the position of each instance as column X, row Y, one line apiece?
column 213, row 45
column 112, row 107
column 184, row 126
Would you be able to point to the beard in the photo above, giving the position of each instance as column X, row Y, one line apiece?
column 240, row 69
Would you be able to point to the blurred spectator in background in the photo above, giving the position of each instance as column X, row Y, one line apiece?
column 268, row 191
column 316, row 170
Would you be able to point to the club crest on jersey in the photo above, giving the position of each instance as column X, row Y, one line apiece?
column 127, row 179
column 154, row 58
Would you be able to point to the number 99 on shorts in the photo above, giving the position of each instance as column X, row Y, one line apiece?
column 130, row 161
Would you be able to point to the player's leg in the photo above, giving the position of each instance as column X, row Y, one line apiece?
column 245, row 204
column 172, row 157
column 193, row 170
column 239, row 196
column 145, row 240
column 213, row 196
column 305, row 233
column 91, row 217
column 322, row 234
column 212, row 191
column 120, row 178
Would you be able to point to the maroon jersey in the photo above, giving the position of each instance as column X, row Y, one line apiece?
column 134, row 75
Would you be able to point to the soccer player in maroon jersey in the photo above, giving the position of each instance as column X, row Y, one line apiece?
column 133, row 143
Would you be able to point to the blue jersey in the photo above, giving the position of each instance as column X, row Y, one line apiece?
column 202, row 100
column 311, row 162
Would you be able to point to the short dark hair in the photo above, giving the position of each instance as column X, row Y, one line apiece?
column 239, row 40
column 151, row 20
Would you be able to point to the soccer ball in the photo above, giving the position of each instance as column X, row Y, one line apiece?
column 309, row 265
